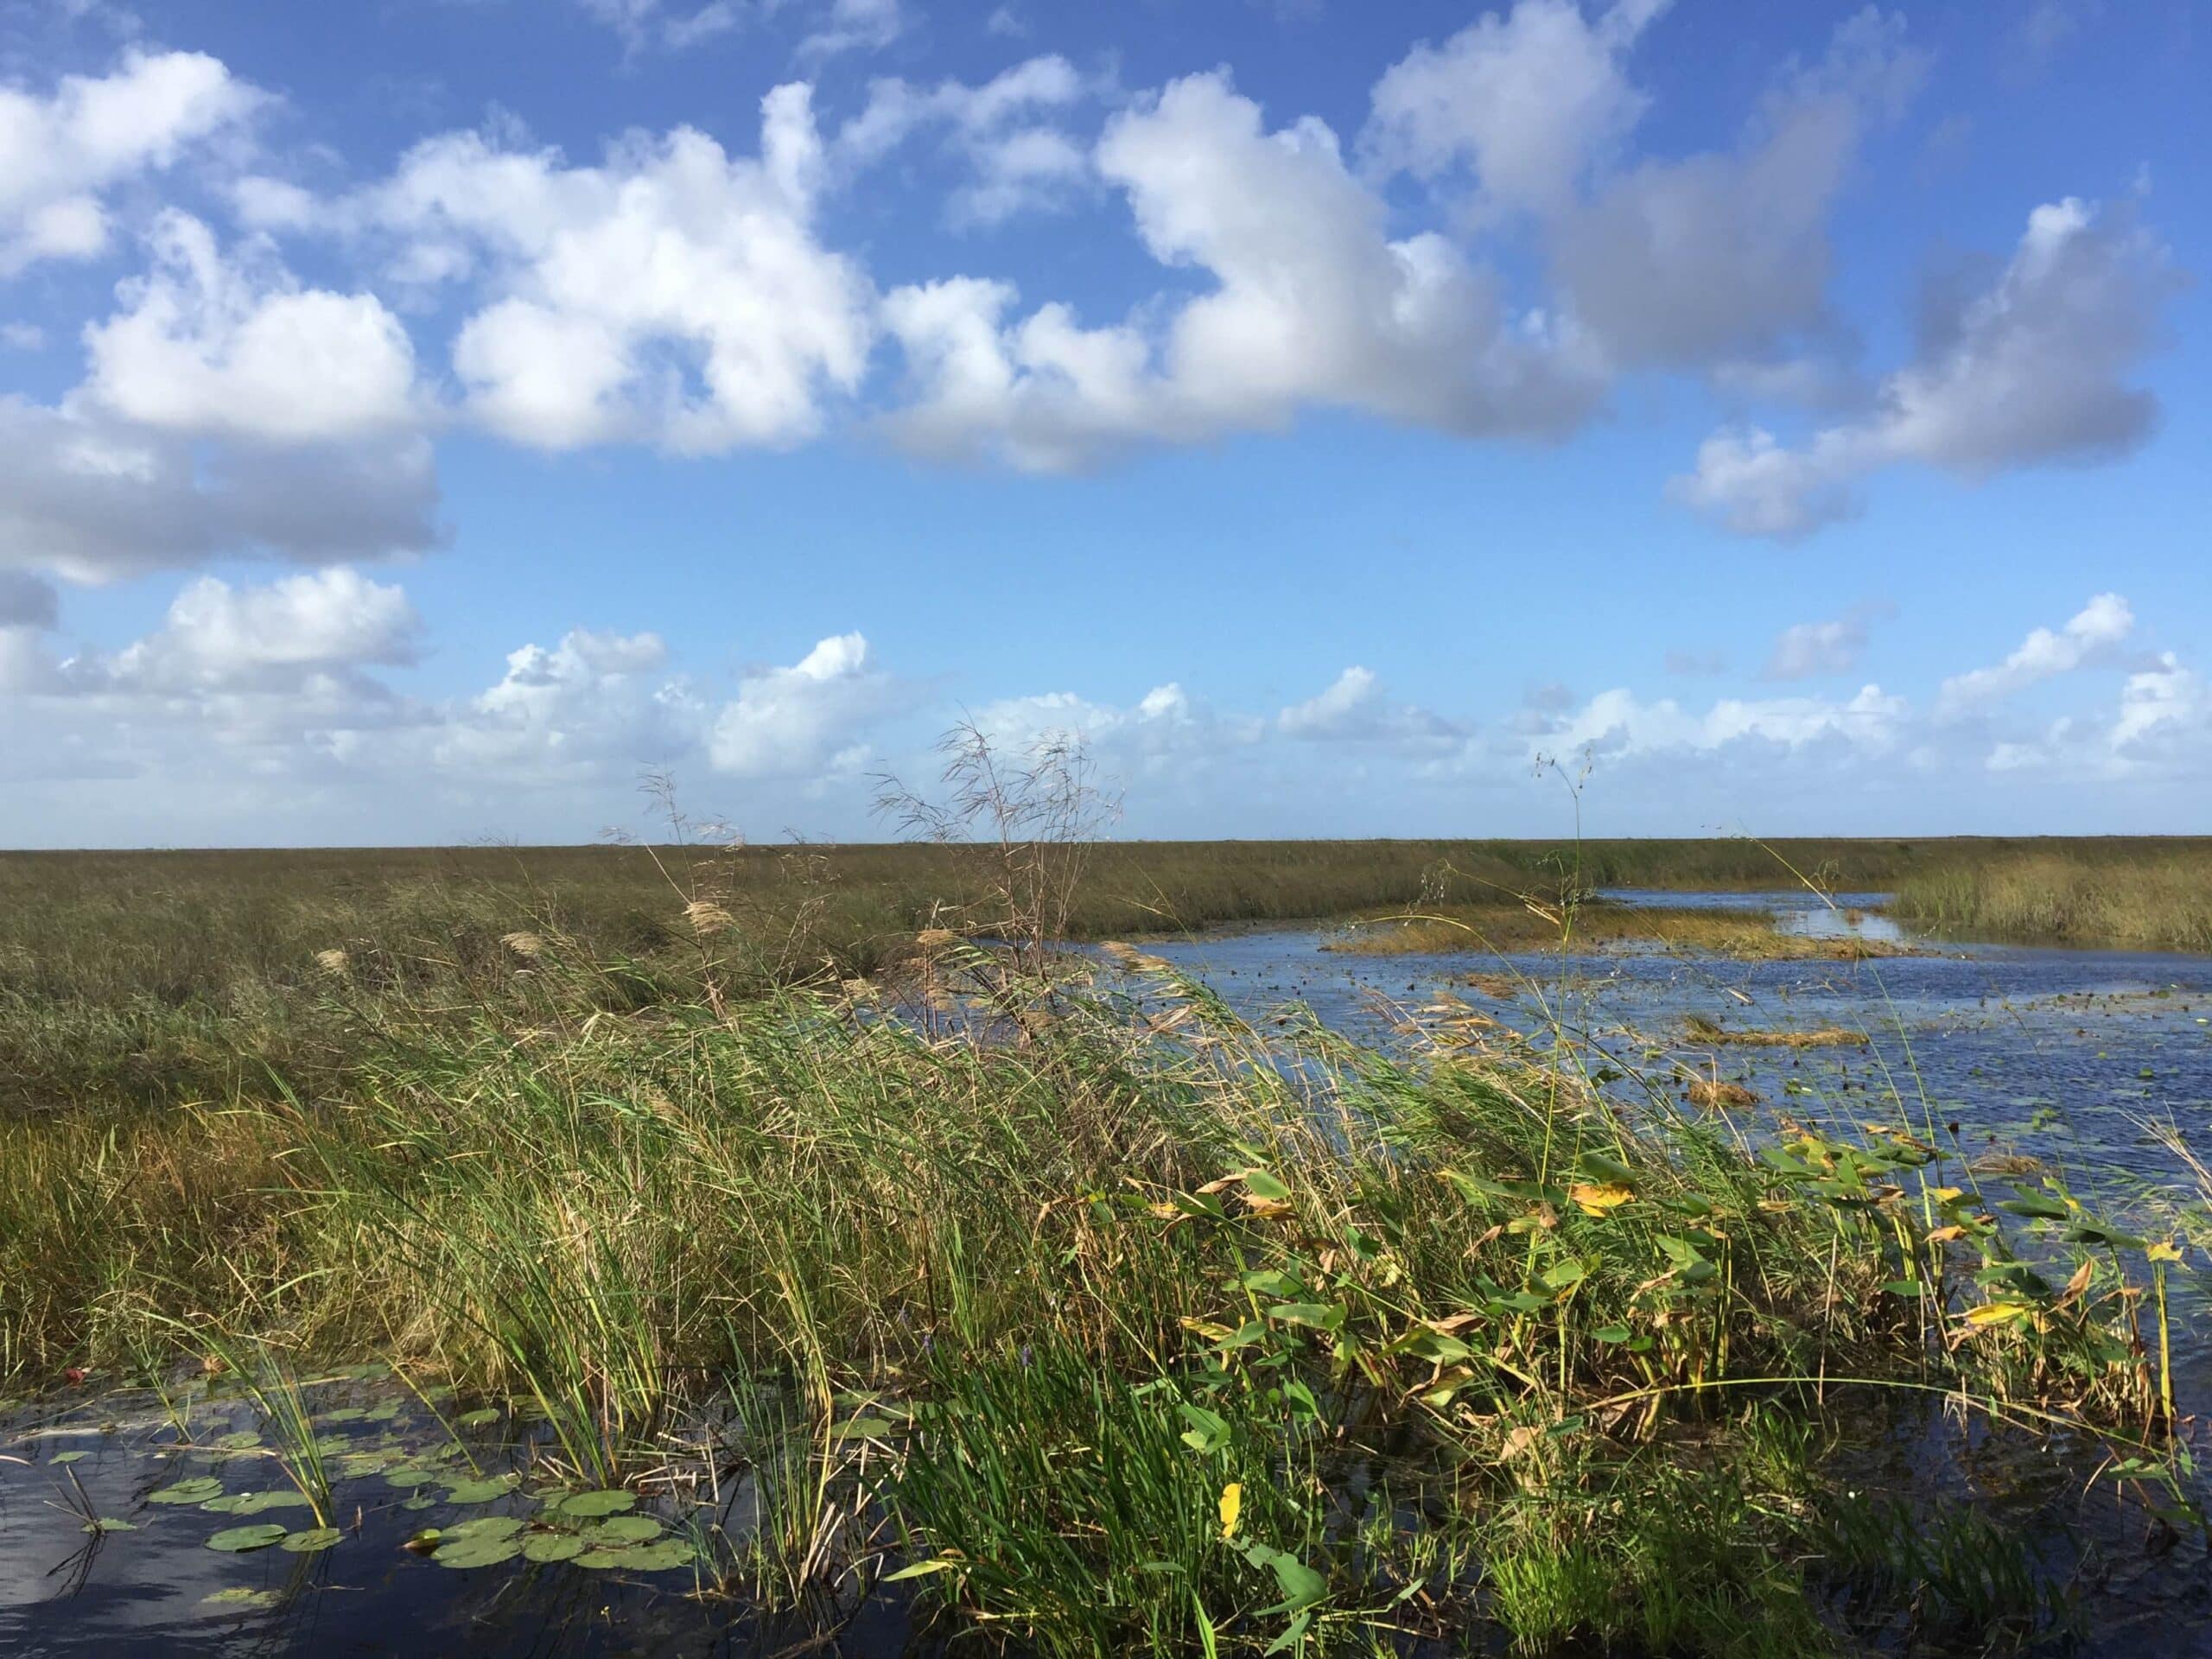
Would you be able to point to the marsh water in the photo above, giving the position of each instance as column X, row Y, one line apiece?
column 2021, row 1061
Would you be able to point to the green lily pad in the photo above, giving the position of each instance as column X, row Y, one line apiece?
column 481, row 1491
column 255, row 1503
column 477, row 1418
column 412, row 1474
column 239, row 1596
column 479, row 1550
column 621, row 1529
column 640, row 1558
column 588, row 1505
column 198, row 1489
column 420, row 1502
column 547, row 1546
column 485, row 1526
column 64, row 1457
column 384, row 1413
column 359, row 1465
column 311, row 1539
column 342, row 1415
column 108, row 1523
column 233, row 1540
column 239, row 1440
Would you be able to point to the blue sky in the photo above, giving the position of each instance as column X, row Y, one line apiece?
column 418, row 420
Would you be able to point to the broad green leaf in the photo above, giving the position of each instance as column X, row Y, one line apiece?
column 233, row 1540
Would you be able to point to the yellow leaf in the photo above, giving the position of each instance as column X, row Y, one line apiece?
column 1598, row 1197
column 2078, row 1283
column 2164, row 1253
column 1232, row 1505
column 1991, row 1313
column 1945, row 1234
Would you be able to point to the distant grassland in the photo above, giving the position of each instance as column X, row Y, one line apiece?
column 2156, row 901
column 133, row 976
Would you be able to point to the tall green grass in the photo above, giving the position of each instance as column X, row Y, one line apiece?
column 1118, row 1324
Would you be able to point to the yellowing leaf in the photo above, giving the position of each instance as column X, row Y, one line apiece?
column 1945, row 1234
column 1596, row 1198
column 1991, row 1313
column 2162, row 1253
column 1232, row 1505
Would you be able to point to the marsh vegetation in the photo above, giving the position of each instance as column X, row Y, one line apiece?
column 1048, row 1291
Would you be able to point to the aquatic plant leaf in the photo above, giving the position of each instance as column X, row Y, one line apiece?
column 485, row 1526
column 1232, row 1506
column 410, row 1474
column 481, row 1491
column 234, row 1540
column 238, row 1595
column 309, row 1540
column 1209, row 1431
column 242, row 1439
column 1597, row 1198
column 1600, row 1170
column 922, row 1569
column 622, row 1529
column 1260, row 1185
column 613, row 1502
column 1990, row 1314
column 2037, row 1209
column 2096, row 1232
column 109, row 1523
column 255, row 1503
column 1314, row 1316
column 547, row 1546
column 477, row 1418
column 342, row 1415
column 198, row 1489
column 640, row 1558
column 66, row 1457
column 479, row 1550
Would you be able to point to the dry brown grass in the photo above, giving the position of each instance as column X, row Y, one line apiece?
column 1704, row 1031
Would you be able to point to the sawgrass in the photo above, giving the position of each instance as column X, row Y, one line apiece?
column 1120, row 1325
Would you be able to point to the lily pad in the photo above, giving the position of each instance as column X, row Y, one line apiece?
column 420, row 1502
column 239, row 1596
column 255, row 1503
column 412, row 1474
column 198, row 1489
column 477, row 1418
column 480, row 1491
column 478, row 1550
column 309, row 1540
column 640, row 1558
column 234, row 1540
column 109, row 1523
column 485, row 1526
column 342, row 1415
column 621, row 1529
column 589, row 1504
column 66, row 1457
column 546, row 1547
column 240, row 1440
